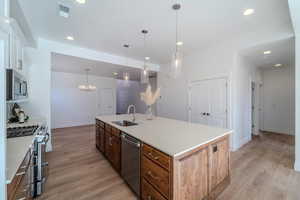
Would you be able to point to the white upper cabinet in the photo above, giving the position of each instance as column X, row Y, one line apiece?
column 16, row 58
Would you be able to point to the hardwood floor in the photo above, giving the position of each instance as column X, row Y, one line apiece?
column 78, row 171
column 261, row 170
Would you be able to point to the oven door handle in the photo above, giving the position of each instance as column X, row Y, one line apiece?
column 47, row 137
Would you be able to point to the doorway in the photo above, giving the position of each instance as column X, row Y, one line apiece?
column 106, row 106
column 208, row 102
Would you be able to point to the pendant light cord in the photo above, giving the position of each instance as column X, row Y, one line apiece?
column 145, row 50
column 176, row 31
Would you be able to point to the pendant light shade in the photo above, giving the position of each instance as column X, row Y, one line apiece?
column 177, row 57
column 176, row 65
column 144, row 71
column 87, row 86
column 126, row 76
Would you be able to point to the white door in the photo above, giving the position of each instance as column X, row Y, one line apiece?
column 107, row 101
column 199, row 103
column 208, row 102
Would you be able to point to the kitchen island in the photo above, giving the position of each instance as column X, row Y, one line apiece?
column 179, row 160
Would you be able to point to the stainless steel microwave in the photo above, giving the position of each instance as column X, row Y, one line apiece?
column 16, row 85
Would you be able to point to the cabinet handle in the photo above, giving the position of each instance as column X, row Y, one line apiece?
column 154, row 157
column 110, row 141
column 20, row 173
column 22, row 198
column 152, row 176
column 215, row 148
column 149, row 197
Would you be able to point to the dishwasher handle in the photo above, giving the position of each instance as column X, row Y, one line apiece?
column 125, row 139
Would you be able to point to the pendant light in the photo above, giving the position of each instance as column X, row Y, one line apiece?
column 87, row 86
column 144, row 71
column 177, row 57
column 126, row 75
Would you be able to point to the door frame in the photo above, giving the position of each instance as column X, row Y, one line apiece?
column 228, row 103
column 99, row 101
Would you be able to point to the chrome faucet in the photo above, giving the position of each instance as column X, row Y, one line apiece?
column 133, row 114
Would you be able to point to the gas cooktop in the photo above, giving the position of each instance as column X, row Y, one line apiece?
column 21, row 131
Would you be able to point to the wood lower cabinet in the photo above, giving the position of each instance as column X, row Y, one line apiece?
column 20, row 187
column 191, row 176
column 200, row 174
column 112, row 145
column 149, row 192
column 100, row 136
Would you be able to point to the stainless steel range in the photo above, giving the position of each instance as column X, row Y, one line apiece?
column 21, row 131
column 39, row 167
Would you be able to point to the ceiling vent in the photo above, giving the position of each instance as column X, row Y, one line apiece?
column 63, row 10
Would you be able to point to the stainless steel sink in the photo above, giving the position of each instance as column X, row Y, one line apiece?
column 125, row 123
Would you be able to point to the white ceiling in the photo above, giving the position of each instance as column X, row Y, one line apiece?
column 107, row 24
column 71, row 64
column 283, row 52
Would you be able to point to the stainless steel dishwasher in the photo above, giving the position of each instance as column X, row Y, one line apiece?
column 130, row 165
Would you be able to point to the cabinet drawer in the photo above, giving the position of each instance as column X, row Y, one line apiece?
column 116, row 132
column 156, row 175
column 156, row 156
column 149, row 193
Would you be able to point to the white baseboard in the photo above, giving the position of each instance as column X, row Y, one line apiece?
column 297, row 165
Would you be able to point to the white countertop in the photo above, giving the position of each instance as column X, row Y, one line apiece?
column 172, row 137
column 16, row 148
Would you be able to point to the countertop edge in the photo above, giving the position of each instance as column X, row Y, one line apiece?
column 169, row 154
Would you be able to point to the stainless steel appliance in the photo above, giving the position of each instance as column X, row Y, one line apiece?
column 41, row 166
column 21, row 131
column 130, row 163
column 16, row 85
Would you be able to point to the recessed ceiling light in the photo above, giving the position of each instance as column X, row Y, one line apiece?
column 70, row 38
column 115, row 73
column 267, row 52
column 277, row 65
column 249, row 11
column 81, row 1
column 147, row 58
column 179, row 43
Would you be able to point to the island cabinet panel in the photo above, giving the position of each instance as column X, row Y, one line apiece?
column 102, row 139
column 97, row 136
column 116, row 152
column 149, row 193
column 191, row 176
column 113, row 147
column 219, row 162
column 100, row 135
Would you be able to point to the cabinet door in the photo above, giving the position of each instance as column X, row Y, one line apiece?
column 102, row 140
column 116, row 152
column 97, row 136
column 219, row 161
column 108, row 144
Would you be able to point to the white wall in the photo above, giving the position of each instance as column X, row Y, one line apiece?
column 277, row 94
column 73, row 107
column 221, row 60
column 295, row 15
column 39, row 86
